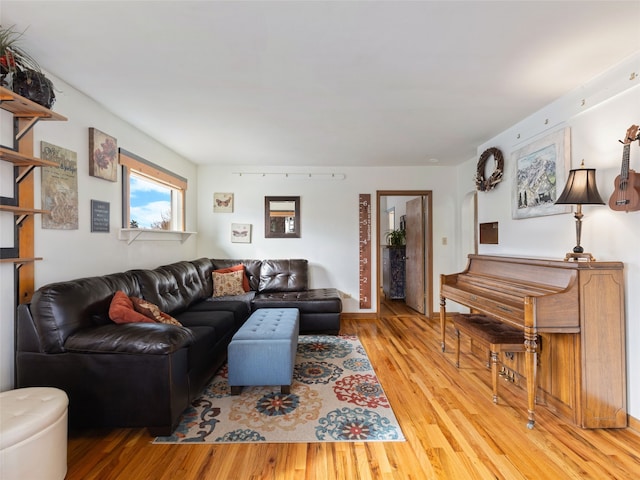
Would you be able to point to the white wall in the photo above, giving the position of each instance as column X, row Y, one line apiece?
column 75, row 253
column 329, row 210
column 611, row 105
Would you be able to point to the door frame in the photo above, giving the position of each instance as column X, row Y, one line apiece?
column 428, row 195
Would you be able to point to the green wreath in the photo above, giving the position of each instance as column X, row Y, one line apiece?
column 486, row 184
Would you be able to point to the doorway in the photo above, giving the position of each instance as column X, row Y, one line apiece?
column 391, row 206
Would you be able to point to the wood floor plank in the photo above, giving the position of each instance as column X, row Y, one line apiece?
column 452, row 429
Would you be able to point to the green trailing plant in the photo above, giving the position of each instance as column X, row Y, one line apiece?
column 395, row 238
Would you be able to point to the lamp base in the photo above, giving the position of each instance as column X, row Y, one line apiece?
column 579, row 257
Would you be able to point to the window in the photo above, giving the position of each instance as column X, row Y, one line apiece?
column 152, row 197
column 391, row 218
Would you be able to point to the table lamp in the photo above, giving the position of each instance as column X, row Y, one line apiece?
column 581, row 189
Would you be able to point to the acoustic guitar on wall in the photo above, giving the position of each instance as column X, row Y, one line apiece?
column 626, row 196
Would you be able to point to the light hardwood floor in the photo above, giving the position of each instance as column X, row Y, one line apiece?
column 452, row 429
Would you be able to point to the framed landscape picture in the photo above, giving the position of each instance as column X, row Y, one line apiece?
column 540, row 174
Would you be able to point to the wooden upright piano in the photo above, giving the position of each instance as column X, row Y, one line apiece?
column 573, row 323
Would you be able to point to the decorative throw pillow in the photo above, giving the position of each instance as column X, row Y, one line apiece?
column 227, row 283
column 236, row 268
column 121, row 310
column 152, row 311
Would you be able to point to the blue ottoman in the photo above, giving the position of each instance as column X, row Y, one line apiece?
column 263, row 351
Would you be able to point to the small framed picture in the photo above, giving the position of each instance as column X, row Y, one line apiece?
column 240, row 233
column 100, row 216
column 103, row 155
column 223, row 202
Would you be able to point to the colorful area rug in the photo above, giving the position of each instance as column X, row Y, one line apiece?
column 335, row 397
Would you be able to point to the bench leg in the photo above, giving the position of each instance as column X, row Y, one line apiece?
column 285, row 389
column 457, row 348
column 494, row 375
column 235, row 390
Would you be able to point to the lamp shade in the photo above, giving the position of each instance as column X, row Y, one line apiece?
column 581, row 188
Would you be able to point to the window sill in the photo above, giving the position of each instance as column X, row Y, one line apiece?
column 132, row 234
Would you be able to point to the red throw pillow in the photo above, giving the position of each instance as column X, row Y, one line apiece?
column 235, row 268
column 121, row 310
column 153, row 312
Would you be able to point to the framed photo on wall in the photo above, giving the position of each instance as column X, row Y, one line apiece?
column 223, row 202
column 103, row 155
column 240, row 233
column 540, row 174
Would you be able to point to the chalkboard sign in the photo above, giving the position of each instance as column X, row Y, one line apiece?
column 99, row 216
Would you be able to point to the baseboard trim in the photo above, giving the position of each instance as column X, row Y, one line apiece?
column 360, row 316
column 634, row 423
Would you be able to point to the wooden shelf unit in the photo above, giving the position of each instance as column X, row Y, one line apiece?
column 26, row 115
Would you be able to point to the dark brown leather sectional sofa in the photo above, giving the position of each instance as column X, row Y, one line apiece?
column 146, row 374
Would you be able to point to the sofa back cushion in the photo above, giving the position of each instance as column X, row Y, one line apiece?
column 189, row 281
column 61, row 309
column 161, row 287
column 283, row 276
column 204, row 268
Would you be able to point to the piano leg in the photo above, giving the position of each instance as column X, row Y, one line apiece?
column 443, row 322
column 494, row 374
column 531, row 368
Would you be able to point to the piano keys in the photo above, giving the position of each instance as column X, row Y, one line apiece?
column 576, row 309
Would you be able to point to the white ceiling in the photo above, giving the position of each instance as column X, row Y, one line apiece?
column 332, row 83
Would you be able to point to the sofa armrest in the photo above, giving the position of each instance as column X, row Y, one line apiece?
column 145, row 338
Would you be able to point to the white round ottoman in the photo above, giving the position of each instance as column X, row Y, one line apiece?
column 33, row 434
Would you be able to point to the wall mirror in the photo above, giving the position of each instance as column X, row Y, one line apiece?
column 282, row 217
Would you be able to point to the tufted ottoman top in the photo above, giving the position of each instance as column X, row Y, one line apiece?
column 25, row 412
column 273, row 323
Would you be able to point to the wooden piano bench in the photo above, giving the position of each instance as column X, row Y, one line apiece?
column 493, row 333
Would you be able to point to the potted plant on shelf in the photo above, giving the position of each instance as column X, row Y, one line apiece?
column 395, row 238
column 20, row 72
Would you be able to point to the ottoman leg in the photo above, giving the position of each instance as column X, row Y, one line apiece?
column 236, row 390
column 285, row 389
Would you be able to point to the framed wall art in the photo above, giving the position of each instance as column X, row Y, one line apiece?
column 540, row 174
column 59, row 188
column 223, row 202
column 240, row 233
column 100, row 216
column 103, row 155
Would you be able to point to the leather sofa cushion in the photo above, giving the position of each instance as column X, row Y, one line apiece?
column 239, row 305
column 318, row 300
column 283, row 276
column 189, row 281
column 160, row 287
column 221, row 321
column 148, row 338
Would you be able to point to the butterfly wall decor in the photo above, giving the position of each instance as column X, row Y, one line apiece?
column 223, row 202
column 240, row 233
